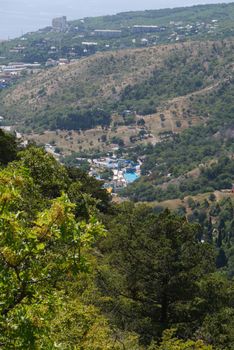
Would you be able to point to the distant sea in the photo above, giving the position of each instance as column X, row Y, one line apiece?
column 20, row 16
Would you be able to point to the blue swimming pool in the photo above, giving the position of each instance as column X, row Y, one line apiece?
column 131, row 177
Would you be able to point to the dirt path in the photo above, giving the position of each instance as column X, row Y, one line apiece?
column 195, row 93
column 174, row 111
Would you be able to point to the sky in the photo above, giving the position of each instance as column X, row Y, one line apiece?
column 21, row 16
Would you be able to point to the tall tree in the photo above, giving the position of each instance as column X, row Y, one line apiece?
column 8, row 148
column 153, row 268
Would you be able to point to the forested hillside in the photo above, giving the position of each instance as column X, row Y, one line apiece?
column 79, row 272
column 86, row 93
column 207, row 148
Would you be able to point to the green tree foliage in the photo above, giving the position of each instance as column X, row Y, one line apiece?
column 46, row 172
column 194, row 148
column 91, row 186
column 86, row 119
column 146, row 281
column 169, row 342
column 52, row 179
column 217, row 295
column 35, row 255
column 217, row 227
column 153, row 270
column 80, row 324
column 8, row 148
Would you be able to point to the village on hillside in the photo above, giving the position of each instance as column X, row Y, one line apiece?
column 12, row 71
column 86, row 42
column 115, row 173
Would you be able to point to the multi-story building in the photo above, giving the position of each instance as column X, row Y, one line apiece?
column 145, row 29
column 59, row 24
column 108, row 33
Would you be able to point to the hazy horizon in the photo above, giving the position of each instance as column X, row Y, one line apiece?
column 21, row 16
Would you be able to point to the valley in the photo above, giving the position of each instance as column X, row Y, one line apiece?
column 128, row 103
column 117, row 183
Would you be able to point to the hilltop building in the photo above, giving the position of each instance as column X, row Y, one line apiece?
column 59, row 24
column 108, row 33
column 145, row 29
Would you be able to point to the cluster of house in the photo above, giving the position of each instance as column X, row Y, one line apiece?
column 121, row 171
column 14, row 70
column 150, row 34
column 60, row 62
column 60, row 24
column 88, row 40
column 180, row 30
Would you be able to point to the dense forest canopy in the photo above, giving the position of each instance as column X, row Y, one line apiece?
column 79, row 272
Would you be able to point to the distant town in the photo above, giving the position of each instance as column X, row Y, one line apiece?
column 86, row 42
column 116, row 173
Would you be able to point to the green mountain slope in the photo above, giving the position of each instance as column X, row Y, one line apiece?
column 169, row 166
column 86, row 93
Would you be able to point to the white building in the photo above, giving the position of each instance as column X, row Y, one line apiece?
column 145, row 29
